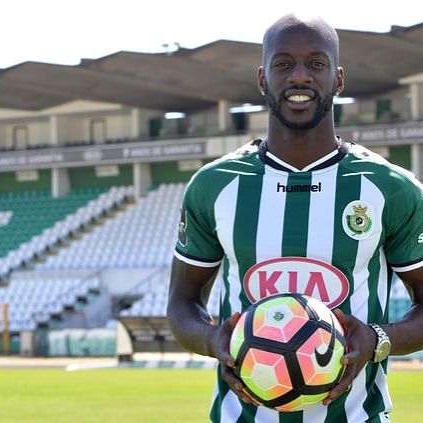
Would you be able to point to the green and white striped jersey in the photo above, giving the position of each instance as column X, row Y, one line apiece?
column 334, row 230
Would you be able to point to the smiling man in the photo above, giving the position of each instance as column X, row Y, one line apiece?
column 299, row 97
column 301, row 211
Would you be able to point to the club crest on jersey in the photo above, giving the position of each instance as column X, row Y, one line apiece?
column 182, row 229
column 299, row 275
column 357, row 220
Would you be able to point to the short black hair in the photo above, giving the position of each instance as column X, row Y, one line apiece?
column 291, row 23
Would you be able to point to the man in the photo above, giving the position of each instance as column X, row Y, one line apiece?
column 301, row 192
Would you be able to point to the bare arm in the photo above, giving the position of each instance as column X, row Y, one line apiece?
column 407, row 335
column 189, row 320
column 193, row 327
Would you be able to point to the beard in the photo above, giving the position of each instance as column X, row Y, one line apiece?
column 323, row 106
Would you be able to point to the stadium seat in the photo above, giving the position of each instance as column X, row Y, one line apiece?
column 154, row 291
column 399, row 301
column 39, row 222
column 34, row 298
column 140, row 236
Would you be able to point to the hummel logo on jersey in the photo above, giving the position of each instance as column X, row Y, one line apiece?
column 420, row 238
column 299, row 188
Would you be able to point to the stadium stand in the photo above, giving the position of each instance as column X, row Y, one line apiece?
column 38, row 222
column 35, row 225
column 399, row 301
column 146, row 318
column 32, row 212
column 80, row 232
column 141, row 236
column 153, row 292
column 35, row 299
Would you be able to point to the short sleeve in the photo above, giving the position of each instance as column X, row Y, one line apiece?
column 404, row 241
column 198, row 243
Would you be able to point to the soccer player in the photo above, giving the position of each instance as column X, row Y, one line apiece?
column 301, row 192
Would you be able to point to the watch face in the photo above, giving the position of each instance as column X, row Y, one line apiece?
column 383, row 346
column 383, row 350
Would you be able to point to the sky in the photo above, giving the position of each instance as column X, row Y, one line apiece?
column 63, row 32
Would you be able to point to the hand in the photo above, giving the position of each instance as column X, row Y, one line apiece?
column 361, row 341
column 227, row 363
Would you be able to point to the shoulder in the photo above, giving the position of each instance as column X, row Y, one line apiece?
column 386, row 175
column 220, row 172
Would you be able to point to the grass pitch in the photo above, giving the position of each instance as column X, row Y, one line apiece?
column 105, row 396
column 142, row 396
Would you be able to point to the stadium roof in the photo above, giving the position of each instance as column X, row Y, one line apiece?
column 195, row 79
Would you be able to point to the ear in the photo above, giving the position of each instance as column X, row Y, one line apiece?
column 261, row 80
column 340, row 80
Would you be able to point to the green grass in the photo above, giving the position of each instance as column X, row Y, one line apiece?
column 104, row 396
column 406, row 388
column 141, row 396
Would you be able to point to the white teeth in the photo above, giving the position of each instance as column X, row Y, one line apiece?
column 299, row 98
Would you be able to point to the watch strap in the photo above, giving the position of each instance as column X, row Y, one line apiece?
column 381, row 339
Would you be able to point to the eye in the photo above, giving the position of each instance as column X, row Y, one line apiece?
column 282, row 65
column 317, row 64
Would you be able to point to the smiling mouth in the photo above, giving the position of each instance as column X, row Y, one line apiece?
column 299, row 98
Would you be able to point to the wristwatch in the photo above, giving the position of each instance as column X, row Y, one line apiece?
column 383, row 344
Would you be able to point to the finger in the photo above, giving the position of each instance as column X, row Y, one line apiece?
column 330, row 399
column 253, row 400
column 342, row 386
column 223, row 353
column 233, row 320
column 229, row 377
column 343, row 318
column 227, row 328
column 229, row 324
column 226, row 359
column 350, row 357
column 236, row 386
column 247, row 399
column 348, row 376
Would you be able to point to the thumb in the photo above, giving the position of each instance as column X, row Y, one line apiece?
column 342, row 317
column 227, row 329
column 233, row 320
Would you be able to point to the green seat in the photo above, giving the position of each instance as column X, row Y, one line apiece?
column 33, row 212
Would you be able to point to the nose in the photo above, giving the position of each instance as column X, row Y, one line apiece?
column 300, row 75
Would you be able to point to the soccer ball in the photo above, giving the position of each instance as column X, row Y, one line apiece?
column 287, row 350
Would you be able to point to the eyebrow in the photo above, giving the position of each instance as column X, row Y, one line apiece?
column 315, row 54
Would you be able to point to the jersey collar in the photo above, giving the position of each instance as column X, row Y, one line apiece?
column 328, row 160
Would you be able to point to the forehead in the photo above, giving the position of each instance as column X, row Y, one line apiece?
column 299, row 42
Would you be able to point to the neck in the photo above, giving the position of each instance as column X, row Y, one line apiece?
column 300, row 148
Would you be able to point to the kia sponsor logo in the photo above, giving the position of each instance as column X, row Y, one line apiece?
column 300, row 275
